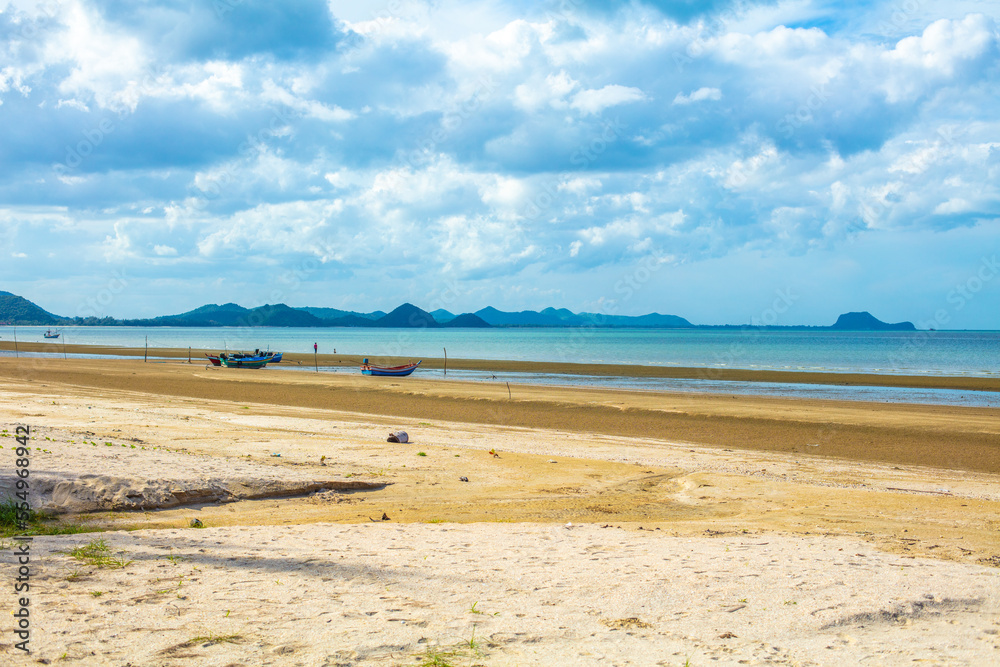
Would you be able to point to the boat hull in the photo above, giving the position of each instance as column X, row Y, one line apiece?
column 241, row 361
column 389, row 371
column 250, row 362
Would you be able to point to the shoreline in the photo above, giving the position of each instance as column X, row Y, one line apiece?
column 965, row 383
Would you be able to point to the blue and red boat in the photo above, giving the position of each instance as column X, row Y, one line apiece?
column 238, row 360
column 388, row 371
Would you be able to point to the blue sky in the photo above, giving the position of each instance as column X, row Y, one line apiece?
column 704, row 159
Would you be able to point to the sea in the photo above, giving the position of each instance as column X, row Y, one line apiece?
column 920, row 353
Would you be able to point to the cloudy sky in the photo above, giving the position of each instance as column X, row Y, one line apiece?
column 721, row 161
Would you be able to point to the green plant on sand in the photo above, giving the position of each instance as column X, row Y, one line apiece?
column 98, row 554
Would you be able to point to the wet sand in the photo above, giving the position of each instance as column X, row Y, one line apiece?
column 605, row 370
column 957, row 438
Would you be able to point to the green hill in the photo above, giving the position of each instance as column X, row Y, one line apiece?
column 408, row 316
column 18, row 310
column 467, row 321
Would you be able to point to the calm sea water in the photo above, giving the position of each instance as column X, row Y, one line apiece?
column 972, row 353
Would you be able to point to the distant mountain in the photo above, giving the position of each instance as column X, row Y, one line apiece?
column 865, row 321
column 209, row 315
column 468, row 321
column 334, row 313
column 552, row 317
column 652, row 320
column 407, row 316
column 232, row 315
column 524, row 318
column 441, row 315
column 280, row 315
column 18, row 310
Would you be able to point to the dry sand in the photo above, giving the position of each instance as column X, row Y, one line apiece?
column 790, row 542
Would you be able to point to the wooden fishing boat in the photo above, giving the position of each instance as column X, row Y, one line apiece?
column 240, row 360
column 50, row 334
column 243, row 361
column 388, row 371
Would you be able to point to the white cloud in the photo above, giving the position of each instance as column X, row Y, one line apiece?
column 551, row 91
column 699, row 95
column 953, row 206
column 596, row 101
column 946, row 44
column 74, row 104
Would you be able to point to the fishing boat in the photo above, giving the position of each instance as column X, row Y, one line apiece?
column 390, row 371
column 237, row 360
column 51, row 334
column 248, row 360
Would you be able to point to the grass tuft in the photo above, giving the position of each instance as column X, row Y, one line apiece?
column 8, row 514
column 98, row 554
column 38, row 523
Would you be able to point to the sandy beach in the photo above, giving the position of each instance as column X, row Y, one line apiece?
column 611, row 527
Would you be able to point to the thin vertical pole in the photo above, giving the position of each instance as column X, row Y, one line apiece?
column 145, row 351
column 445, row 360
column 189, row 354
column 16, row 355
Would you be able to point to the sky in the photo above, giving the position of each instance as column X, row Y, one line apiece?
column 728, row 162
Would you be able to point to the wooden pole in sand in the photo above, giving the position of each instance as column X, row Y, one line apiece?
column 445, row 360
column 316, row 357
column 145, row 351
column 16, row 355
column 189, row 354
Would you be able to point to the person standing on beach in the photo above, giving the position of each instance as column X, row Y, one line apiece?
column 315, row 348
